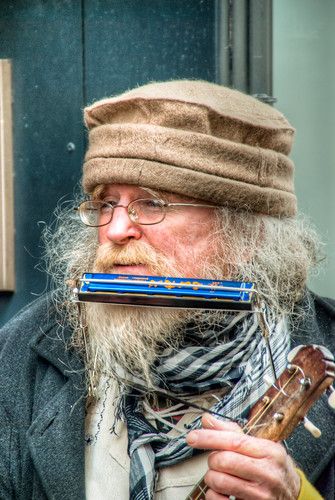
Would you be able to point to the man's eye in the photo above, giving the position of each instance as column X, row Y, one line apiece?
column 106, row 207
column 152, row 203
column 110, row 202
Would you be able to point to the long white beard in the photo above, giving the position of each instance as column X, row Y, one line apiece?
column 132, row 337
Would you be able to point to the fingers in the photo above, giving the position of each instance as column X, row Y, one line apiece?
column 244, row 466
column 225, row 484
column 237, row 465
column 232, row 439
column 212, row 495
column 218, row 440
column 210, row 422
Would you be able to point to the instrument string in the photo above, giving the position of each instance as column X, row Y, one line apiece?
column 254, row 421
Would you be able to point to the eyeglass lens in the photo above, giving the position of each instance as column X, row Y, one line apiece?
column 143, row 211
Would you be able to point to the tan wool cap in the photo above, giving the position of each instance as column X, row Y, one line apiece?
column 193, row 138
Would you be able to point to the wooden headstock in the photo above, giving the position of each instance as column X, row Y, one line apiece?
column 310, row 371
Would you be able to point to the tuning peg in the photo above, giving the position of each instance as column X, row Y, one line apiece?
column 306, row 382
column 331, row 397
column 268, row 380
column 326, row 352
column 310, row 427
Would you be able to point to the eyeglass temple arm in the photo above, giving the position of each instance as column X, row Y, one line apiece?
column 189, row 205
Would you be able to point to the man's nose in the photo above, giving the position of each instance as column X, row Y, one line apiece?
column 121, row 229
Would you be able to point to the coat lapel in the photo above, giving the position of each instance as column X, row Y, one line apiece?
column 56, row 435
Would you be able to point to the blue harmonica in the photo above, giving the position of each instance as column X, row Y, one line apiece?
column 165, row 291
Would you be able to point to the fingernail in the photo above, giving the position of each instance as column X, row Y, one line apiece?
column 210, row 420
column 192, row 437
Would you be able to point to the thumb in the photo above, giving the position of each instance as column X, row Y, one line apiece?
column 210, row 422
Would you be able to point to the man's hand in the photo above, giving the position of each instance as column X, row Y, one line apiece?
column 243, row 466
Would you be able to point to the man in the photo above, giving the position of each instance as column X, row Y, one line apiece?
column 184, row 178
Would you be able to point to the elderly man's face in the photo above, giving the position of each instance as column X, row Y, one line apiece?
column 184, row 237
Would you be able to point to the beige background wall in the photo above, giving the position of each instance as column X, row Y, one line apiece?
column 304, row 84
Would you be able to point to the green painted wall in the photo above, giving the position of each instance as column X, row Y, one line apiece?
column 304, row 84
column 64, row 55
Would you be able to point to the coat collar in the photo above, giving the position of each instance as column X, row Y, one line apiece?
column 52, row 343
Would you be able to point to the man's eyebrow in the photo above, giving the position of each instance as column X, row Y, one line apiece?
column 98, row 192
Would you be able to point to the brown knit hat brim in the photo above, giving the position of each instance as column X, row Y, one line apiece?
column 202, row 186
column 193, row 150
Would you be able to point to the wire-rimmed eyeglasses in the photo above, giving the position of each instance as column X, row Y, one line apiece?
column 144, row 211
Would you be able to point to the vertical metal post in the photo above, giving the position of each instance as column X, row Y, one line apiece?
column 244, row 46
column 260, row 49
column 223, row 48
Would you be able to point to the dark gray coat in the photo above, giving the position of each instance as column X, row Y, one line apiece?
column 42, row 409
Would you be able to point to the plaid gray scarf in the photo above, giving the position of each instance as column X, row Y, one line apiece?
column 239, row 364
